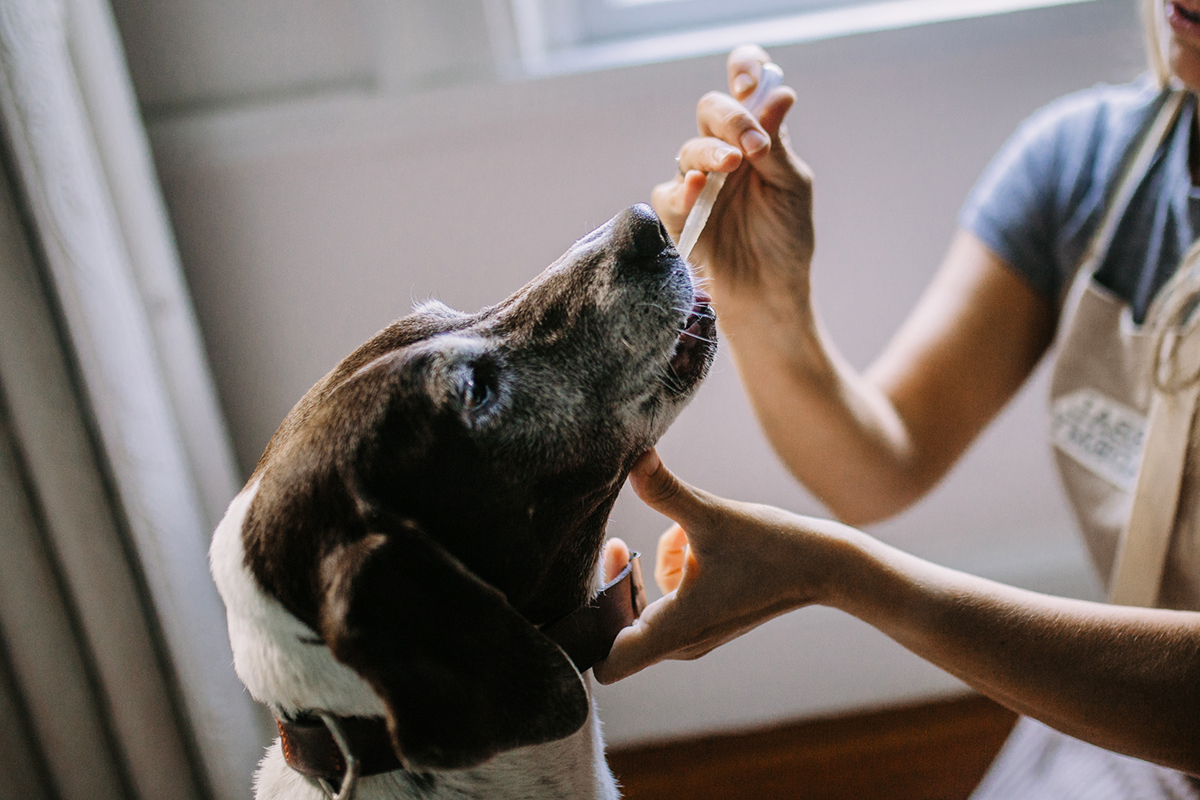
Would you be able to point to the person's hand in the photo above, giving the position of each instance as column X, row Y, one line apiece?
column 613, row 559
column 758, row 243
column 726, row 568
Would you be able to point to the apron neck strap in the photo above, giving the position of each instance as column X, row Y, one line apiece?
column 1131, row 177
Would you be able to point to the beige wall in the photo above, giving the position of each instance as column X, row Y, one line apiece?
column 313, row 203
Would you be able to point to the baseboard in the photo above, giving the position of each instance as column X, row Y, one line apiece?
column 933, row 751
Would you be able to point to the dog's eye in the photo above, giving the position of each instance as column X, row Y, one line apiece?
column 477, row 389
column 476, row 394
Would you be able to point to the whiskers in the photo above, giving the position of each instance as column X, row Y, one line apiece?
column 686, row 311
column 691, row 315
column 697, row 337
column 670, row 380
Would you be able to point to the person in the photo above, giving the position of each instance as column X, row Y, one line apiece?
column 1072, row 232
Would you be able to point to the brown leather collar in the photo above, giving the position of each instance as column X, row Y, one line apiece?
column 586, row 635
column 310, row 748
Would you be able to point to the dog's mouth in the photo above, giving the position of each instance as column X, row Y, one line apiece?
column 694, row 347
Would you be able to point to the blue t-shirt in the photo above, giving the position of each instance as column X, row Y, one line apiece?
column 1040, row 201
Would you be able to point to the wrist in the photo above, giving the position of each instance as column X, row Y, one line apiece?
column 825, row 559
column 779, row 328
column 760, row 305
column 851, row 564
column 778, row 354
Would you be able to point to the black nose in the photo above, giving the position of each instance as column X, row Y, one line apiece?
column 640, row 230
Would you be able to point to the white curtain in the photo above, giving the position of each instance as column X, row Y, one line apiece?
column 115, row 672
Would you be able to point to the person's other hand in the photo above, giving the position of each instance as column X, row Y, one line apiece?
column 758, row 242
column 726, row 568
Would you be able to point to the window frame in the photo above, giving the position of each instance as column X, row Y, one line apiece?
column 556, row 37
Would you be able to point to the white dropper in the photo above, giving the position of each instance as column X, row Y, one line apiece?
column 772, row 76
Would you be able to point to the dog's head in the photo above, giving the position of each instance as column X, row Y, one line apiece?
column 444, row 490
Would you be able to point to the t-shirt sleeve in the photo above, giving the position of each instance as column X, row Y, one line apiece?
column 1040, row 198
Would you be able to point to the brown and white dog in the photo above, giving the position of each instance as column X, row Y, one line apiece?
column 439, row 497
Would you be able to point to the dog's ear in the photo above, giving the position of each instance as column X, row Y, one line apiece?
column 462, row 674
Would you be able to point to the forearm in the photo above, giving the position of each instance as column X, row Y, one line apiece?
column 838, row 433
column 1126, row 679
column 870, row 444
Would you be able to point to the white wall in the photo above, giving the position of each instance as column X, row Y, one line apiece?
column 308, row 222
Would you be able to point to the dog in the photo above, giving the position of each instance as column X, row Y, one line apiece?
column 432, row 505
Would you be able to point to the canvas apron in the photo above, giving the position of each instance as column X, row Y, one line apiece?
column 1120, row 389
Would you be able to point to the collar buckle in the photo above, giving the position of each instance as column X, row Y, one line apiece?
column 586, row 635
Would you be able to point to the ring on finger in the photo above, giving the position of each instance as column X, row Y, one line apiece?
column 679, row 168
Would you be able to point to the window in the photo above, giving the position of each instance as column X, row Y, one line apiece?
column 556, row 36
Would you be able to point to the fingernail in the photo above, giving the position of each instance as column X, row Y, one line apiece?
column 753, row 141
column 725, row 152
column 742, row 84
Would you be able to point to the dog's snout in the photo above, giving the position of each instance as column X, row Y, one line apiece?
column 643, row 232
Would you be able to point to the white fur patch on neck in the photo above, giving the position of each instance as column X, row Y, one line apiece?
column 272, row 653
column 284, row 672
column 573, row 768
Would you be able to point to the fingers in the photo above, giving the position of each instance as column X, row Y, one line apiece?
column 673, row 199
column 613, row 559
column 652, row 635
column 708, row 154
column 720, row 116
column 744, row 68
column 778, row 168
column 729, row 135
column 670, row 559
column 779, row 103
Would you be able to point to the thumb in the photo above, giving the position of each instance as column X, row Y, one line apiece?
column 778, row 165
column 776, row 109
column 658, row 488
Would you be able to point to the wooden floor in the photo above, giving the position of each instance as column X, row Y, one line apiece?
column 936, row 751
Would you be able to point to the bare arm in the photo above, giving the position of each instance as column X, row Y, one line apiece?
column 1127, row 679
column 871, row 444
column 867, row 444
